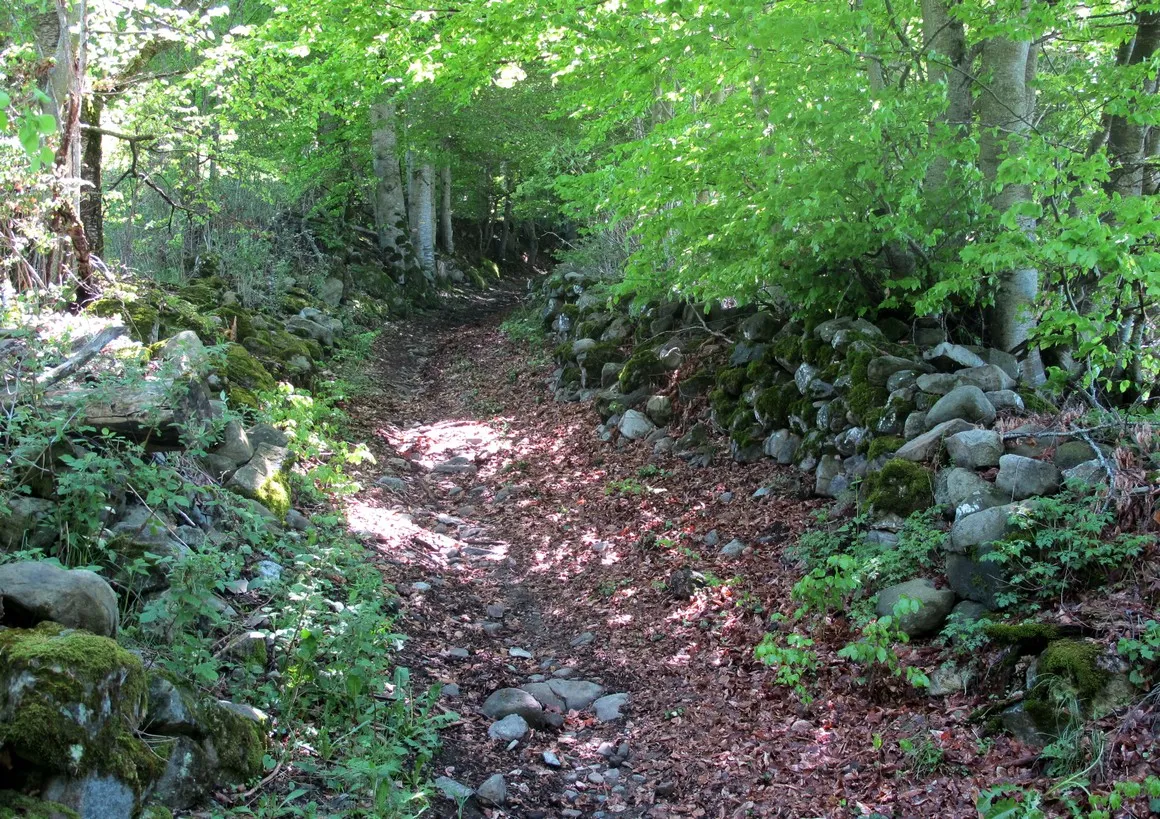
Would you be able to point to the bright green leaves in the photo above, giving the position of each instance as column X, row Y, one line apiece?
column 31, row 128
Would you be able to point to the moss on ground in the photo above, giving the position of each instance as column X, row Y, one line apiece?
column 1068, row 677
column 901, row 487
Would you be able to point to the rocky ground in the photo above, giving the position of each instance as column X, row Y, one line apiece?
column 624, row 596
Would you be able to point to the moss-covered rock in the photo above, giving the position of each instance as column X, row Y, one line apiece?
column 1037, row 404
column 71, row 702
column 775, row 404
column 732, row 380
column 1070, row 683
column 242, row 369
column 592, row 361
column 15, row 805
column 883, row 445
column 1030, row 637
column 901, row 487
column 151, row 314
column 643, row 370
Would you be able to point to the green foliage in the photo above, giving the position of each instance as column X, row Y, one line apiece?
column 1143, row 652
column 793, row 661
column 524, row 325
column 1014, row 802
column 1061, row 545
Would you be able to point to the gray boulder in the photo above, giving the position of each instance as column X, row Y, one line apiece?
column 186, row 352
column 988, row 378
column 1090, row 472
column 266, row 434
column 975, row 448
column 984, row 527
column 330, row 291
column 880, row 369
column 659, row 409
column 949, row 356
column 1006, row 401
column 1020, row 477
column 235, row 446
column 507, row 701
column 761, row 326
column 32, row 592
column 965, row 492
column 635, row 425
column 829, row 467
column 914, row 424
column 926, row 446
column 934, row 606
column 968, row 403
column 493, row 791
column 576, row 694
column 608, row 707
column 782, row 446
column 974, row 578
column 510, row 728
column 261, row 478
column 936, row 383
column 307, row 328
column 1073, row 453
column 29, row 524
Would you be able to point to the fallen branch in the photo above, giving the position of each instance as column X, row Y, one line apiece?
column 80, row 357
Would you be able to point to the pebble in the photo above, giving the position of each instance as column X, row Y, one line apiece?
column 459, row 653
column 608, row 707
column 611, row 775
column 726, row 497
column 421, row 587
column 537, row 678
column 451, row 690
column 551, row 760
column 733, row 548
column 571, row 796
column 595, row 778
column 582, row 639
column 492, row 629
column 564, row 673
column 521, row 653
column 495, row 611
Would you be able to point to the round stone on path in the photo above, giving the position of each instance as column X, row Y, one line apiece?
column 608, row 708
column 455, row 791
column 507, row 701
column 564, row 673
column 493, row 790
column 495, row 611
column 520, row 653
column 577, row 694
column 459, row 653
column 421, row 587
column 733, row 548
column 582, row 639
column 509, row 729
column 551, row 760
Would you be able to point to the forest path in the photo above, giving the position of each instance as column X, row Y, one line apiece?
column 521, row 545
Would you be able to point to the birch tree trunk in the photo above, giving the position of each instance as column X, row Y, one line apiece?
column 446, row 231
column 1006, row 104
column 423, row 207
column 390, row 209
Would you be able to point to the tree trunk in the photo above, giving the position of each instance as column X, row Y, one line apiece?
column 423, row 206
column 92, row 210
column 1127, row 139
column 409, row 171
column 446, row 232
column 946, row 41
column 390, row 210
column 1006, row 104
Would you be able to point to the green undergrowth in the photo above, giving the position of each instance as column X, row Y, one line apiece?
column 346, row 718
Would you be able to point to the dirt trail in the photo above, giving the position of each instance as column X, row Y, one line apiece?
column 509, row 529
